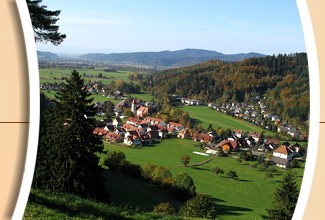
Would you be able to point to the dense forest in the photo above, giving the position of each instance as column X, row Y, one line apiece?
column 282, row 79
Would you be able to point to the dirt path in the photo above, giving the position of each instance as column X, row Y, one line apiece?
column 197, row 164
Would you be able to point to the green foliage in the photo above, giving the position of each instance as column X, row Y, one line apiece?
column 109, row 108
column 260, row 159
column 295, row 163
column 66, row 159
column 114, row 160
column 283, row 78
column 232, row 174
column 285, row 198
column 218, row 170
column 49, row 205
column 156, row 174
column 147, row 170
column 159, row 174
column 44, row 23
column 269, row 175
column 199, row 206
column 246, row 155
column 183, row 186
column 164, row 208
column 126, row 87
column 131, row 169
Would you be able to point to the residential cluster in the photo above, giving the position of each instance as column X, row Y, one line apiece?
column 143, row 129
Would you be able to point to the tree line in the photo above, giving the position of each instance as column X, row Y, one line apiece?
column 283, row 79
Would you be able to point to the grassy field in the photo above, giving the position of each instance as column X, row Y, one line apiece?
column 144, row 97
column 50, row 205
column 96, row 97
column 245, row 198
column 49, row 74
column 206, row 116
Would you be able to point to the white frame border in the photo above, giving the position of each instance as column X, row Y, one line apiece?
column 34, row 109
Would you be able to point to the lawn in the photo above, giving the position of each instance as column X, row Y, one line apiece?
column 245, row 198
column 96, row 97
column 206, row 116
column 144, row 97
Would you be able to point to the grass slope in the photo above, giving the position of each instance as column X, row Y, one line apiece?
column 245, row 198
column 50, row 205
column 206, row 116
column 48, row 74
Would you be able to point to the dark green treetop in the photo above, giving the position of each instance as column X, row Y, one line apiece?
column 67, row 160
column 285, row 198
column 44, row 23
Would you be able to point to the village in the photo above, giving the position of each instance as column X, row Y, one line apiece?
column 142, row 130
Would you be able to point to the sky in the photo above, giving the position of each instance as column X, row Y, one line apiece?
column 227, row 26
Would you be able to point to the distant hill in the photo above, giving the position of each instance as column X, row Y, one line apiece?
column 167, row 59
column 159, row 60
column 283, row 79
column 47, row 55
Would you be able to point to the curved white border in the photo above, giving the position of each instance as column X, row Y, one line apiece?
column 314, row 115
column 34, row 109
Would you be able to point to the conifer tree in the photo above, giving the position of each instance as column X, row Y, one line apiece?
column 67, row 160
column 285, row 199
column 44, row 23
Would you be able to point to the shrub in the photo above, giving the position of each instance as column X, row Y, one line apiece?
column 147, row 170
column 268, row 175
column 164, row 208
column 232, row 174
column 185, row 160
column 131, row 169
column 200, row 207
column 295, row 163
column 183, row 186
column 254, row 165
column 114, row 160
column 217, row 170
column 159, row 173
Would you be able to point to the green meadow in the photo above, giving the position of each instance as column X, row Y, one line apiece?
column 206, row 116
column 55, row 74
column 244, row 198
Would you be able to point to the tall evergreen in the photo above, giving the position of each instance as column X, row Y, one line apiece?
column 285, row 199
column 44, row 23
column 67, row 160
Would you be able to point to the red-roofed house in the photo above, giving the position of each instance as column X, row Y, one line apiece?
column 202, row 137
column 178, row 126
column 100, row 131
column 113, row 137
column 133, row 121
column 142, row 111
column 282, row 156
column 132, row 138
column 228, row 145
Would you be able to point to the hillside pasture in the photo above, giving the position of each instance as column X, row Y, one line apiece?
column 244, row 198
column 55, row 74
column 205, row 116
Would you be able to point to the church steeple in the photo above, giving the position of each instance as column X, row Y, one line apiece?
column 133, row 108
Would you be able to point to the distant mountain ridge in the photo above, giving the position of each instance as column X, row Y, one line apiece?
column 47, row 55
column 165, row 59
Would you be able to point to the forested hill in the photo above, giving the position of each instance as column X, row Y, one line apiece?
column 283, row 79
column 167, row 59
